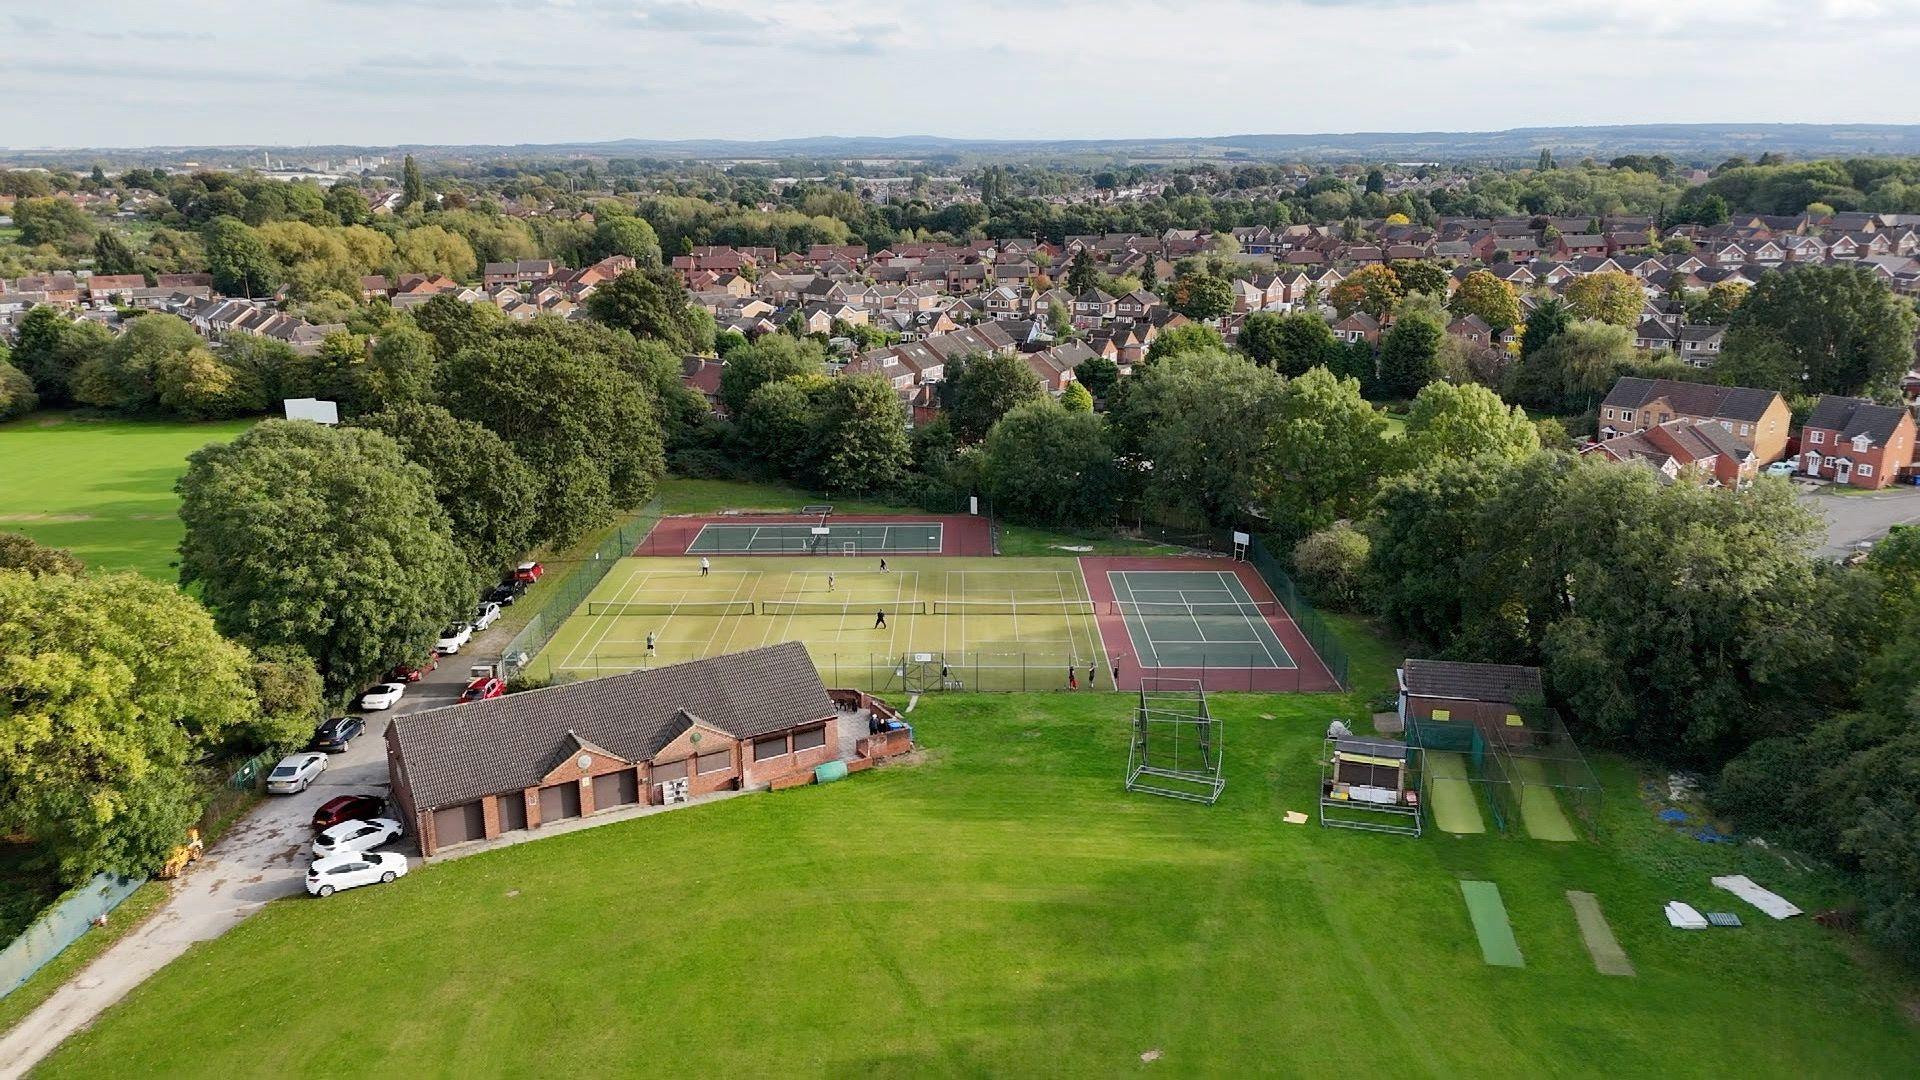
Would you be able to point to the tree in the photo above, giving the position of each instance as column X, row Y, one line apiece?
column 1493, row 300
column 1048, row 465
column 239, row 260
column 454, row 324
column 19, row 552
column 194, row 384
column 775, row 357
column 1545, row 163
column 1421, row 276
column 1291, row 344
column 326, row 539
column 1081, row 273
column 17, row 398
column 1410, row 355
column 1575, row 369
column 1716, row 306
column 1076, row 398
column 413, row 190
column 627, row 235
column 348, row 205
column 586, row 427
column 125, row 375
column 1550, row 318
column 430, row 249
column 1325, row 452
column 1841, row 330
column 987, row 387
column 862, row 431
column 650, row 303
column 57, row 221
column 1190, row 337
column 1197, row 423
column 1460, row 422
column 292, row 698
column 112, row 255
column 1332, row 563
column 1376, row 181
column 1201, row 296
column 103, row 725
column 1609, row 297
column 489, row 494
column 778, row 423
column 398, row 370
column 1374, row 289
column 1098, row 375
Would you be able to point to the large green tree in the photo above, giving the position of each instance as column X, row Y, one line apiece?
column 1290, row 344
column 1325, row 452
column 1839, row 329
column 771, row 359
column 1457, row 422
column 984, row 389
column 862, row 433
column 489, row 494
column 1197, row 425
column 652, row 303
column 125, row 375
column 1610, row 297
column 1047, row 465
column 327, row 539
column 398, row 369
column 1483, row 294
column 1410, row 355
column 239, row 259
column 50, row 348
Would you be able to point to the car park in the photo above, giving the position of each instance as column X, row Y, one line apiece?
column 452, row 638
column 383, row 697
column 354, row 869
column 336, row 734
column 295, row 773
column 485, row 615
column 412, row 673
column 528, row 572
column 346, row 808
column 356, row 835
column 481, row 689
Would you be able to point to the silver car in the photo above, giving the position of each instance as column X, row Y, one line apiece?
column 295, row 773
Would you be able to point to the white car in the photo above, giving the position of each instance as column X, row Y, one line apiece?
column 355, row 836
column 484, row 616
column 452, row 638
column 354, row 869
column 384, row 696
column 295, row 773
column 1780, row 468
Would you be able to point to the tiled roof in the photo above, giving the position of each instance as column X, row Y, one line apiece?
column 1855, row 416
column 463, row 752
column 1505, row 683
column 1693, row 399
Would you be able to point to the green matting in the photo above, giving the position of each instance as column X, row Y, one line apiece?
column 1608, row 957
column 1539, row 807
column 1450, row 794
column 1489, row 915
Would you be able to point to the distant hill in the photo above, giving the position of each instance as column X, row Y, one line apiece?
column 1707, row 143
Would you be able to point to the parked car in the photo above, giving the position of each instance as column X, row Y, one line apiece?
column 354, row 869
column 412, row 673
column 452, row 638
column 383, row 697
column 528, row 572
column 346, row 808
column 295, row 773
column 491, row 686
column 1781, row 469
column 334, row 735
column 356, row 835
column 503, row 594
column 484, row 616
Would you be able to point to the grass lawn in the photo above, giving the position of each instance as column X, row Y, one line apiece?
column 101, row 488
column 1005, row 908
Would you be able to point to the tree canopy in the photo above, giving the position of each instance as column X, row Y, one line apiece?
column 1819, row 330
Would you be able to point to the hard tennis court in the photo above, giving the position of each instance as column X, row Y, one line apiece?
column 798, row 538
column 1196, row 619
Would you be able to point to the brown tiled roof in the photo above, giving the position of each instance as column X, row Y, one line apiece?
column 1693, row 399
column 1856, row 416
column 1504, row 683
column 462, row 752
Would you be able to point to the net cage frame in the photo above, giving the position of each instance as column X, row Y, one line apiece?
column 1398, row 818
column 1505, row 761
column 1173, row 724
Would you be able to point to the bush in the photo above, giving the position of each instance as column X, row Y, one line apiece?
column 1331, row 563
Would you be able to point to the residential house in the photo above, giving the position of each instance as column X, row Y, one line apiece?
column 1759, row 419
column 1358, row 326
column 1677, row 447
column 1856, row 442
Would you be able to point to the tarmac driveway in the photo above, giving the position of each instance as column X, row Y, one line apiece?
column 1855, row 518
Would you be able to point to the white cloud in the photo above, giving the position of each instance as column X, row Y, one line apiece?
column 506, row 71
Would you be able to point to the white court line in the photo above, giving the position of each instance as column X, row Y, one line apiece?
column 633, row 589
column 745, row 576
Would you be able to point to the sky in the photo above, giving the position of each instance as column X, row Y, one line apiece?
column 383, row 72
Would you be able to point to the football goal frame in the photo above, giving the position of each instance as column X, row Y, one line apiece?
column 1177, row 749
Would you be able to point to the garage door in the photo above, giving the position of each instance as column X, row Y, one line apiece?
column 559, row 801
column 513, row 811
column 616, row 789
column 459, row 824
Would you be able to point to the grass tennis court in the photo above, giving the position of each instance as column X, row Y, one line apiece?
column 857, row 538
column 1196, row 618
column 1002, row 624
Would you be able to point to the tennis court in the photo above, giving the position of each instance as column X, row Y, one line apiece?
column 833, row 538
column 1196, row 619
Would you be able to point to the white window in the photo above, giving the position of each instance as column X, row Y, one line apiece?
column 1746, row 429
column 1827, row 461
column 1727, row 424
column 1861, row 442
column 1865, row 469
column 1609, row 414
column 1627, row 415
column 1817, row 437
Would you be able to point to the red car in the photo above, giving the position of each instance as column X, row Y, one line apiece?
column 348, row 808
column 528, row 572
column 492, row 686
column 411, row 673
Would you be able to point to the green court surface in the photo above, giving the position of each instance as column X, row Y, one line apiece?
column 1450, row 795
column 1001, row 624
column 1489, row 916
column 728, row 538
column 1539, row 807
column 1608, row 957
column 1195, row 619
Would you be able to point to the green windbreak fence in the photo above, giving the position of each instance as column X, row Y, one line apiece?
column 570, row 579
column 1318, row 633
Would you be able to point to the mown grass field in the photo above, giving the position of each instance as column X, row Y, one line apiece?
column 101, row 488
column 1005, row 908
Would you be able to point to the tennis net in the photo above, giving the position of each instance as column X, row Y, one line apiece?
column 1251, row 609
column 1013, row 607
column 820, row 607
column 689, row 607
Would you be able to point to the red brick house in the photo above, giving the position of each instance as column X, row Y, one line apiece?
column 1759, row 419
column 1676, row 447
column 748, row 720
column 1856, row 442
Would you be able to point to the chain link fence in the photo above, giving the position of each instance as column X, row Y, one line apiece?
column 569, row 581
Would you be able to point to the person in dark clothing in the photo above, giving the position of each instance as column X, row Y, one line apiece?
column 880, row 619
column 1073, row 677
column 1092, row 669
column 1116, row 673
